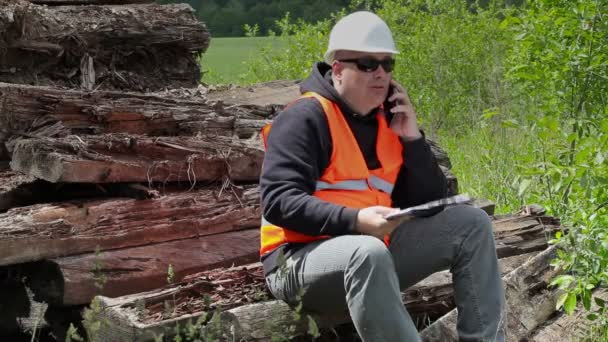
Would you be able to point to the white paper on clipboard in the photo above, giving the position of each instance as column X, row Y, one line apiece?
column 412, row 211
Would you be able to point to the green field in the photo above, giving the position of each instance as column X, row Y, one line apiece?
column 225, row 59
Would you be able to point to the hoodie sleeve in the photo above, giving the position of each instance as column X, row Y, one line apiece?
column 420, row 179
column 298, row 150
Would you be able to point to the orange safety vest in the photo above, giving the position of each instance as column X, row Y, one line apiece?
column 346, row 180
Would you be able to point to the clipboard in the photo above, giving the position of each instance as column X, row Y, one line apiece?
column 419, row 209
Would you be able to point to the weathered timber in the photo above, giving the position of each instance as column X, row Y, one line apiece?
column 529, row 301
column 119, row 157
column 16, row 189
column 133, row 269
column 139, row 47
column 281, row 92
column 569, row 328
column 47, row 111
column 55, row 230
column 136, row 269
column 140, row 316
column 524, row 233
column 127, row 158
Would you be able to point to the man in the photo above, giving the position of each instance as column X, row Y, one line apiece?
column 337, row 162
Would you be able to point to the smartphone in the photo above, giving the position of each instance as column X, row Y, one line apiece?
column 389, row 104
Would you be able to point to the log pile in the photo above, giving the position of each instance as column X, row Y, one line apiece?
column 96, row 44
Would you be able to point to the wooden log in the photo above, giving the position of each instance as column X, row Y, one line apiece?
column 571, row 328
column 16, row 189
column 281, row 92
column 125, row 321
column 131, row 270
column 77, row 270
column 529, row 301
column 128, row 158
column 46, row 111
column 62, row 229
column 117, row 157
column 137, row 47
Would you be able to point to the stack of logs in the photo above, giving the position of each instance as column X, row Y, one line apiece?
column 112, row 193
column 100, row 44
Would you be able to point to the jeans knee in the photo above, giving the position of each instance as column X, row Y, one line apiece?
column 475, row 220
column 373, row 251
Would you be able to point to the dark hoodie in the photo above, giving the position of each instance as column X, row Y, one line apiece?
column 298, row 150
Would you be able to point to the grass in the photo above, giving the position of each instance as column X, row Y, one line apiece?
column 224, row 60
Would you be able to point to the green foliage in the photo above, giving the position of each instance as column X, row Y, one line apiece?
column 94, row 321
column 72, row 335
column 450, row 60
column 302, row 44
column 170, row 274
column 482, row 159
column 224, row 61
column 227, row 18
column 99, row 275
column 559, row 65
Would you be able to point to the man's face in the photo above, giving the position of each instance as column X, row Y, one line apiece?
column 364, row 89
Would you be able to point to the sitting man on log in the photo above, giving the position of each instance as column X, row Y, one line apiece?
column 341, row 158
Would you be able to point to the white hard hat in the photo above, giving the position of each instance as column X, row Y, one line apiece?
column 360, row 31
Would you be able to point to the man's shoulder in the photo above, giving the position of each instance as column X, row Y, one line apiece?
column 302, row 110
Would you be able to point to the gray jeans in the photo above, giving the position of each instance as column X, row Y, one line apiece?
column 360, row 274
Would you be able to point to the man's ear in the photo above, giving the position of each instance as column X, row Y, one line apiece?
column 336, row 69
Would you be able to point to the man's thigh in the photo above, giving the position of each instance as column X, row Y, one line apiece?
column 315, row 273
column 424, row 246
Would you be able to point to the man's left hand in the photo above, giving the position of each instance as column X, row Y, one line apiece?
column 404, row 121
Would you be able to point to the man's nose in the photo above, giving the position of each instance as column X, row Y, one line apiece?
column 379, row 72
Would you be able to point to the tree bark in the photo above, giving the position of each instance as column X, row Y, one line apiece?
column 16, row 189
column 136, row 269
column 55, row 230
column 128, row 158
column 138, row 47
column 46, row 111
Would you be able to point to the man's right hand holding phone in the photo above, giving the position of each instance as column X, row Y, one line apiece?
column 404, row 121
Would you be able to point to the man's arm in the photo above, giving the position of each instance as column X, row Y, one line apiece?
column 298, row 150
column 420, row 179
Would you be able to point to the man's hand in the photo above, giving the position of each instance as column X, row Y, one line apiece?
column 404, row 120
column 371, row 221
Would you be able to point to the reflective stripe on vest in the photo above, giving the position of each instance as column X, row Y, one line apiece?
column 359, row 184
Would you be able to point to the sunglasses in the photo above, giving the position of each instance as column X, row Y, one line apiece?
column 368, row 64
